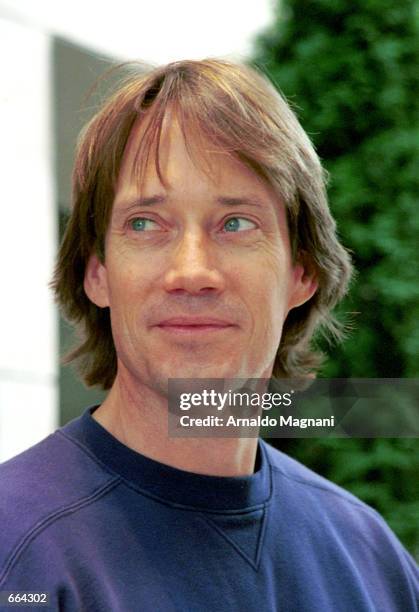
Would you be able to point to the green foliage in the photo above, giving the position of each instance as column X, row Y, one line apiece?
column 351, row 72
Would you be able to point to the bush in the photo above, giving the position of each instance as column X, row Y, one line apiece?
column 351, row 72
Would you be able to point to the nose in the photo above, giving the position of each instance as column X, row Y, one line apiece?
column 192, row 267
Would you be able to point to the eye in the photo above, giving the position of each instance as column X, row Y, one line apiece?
column 235, row 224
column 139, row 224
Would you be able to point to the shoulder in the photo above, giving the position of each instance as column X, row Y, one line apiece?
column 41, row 484
column 308, row 484
column 329, row 511
column 333, row 533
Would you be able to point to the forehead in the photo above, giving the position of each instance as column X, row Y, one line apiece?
column 178, row 154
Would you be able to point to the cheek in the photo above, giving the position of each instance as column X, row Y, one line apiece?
column 267, row 277
column 126, row 289
column 269, row 297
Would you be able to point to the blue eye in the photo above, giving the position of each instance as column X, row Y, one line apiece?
column 233, row 224
column 139, row 224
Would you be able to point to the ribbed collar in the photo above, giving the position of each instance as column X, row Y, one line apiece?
column 170, row 484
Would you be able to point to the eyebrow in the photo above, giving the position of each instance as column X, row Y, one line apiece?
column 240, row 201
column 125, row 207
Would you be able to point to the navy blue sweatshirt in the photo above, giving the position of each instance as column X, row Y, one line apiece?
column 101, row 527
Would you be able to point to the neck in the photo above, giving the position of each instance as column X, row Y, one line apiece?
column 137, row 416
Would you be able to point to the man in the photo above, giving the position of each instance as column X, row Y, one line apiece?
column 200, row 246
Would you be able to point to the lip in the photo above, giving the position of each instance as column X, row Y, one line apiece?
column 194, row 322
column 193, row 326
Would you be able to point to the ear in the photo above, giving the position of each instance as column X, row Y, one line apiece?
column 96, row 282
column 304, row 283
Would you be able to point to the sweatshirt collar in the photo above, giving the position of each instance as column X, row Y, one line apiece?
column 170, row 484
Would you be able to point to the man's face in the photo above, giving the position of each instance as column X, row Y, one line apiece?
column 199, row 277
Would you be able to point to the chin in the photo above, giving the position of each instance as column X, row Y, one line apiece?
column 203, row 371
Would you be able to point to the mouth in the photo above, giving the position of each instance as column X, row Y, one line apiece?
column 193, row 329
column 194, row 326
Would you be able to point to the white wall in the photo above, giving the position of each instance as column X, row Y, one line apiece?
column 28, row 336
column 155, row 31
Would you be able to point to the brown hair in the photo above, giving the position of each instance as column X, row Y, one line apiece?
column 241, row 113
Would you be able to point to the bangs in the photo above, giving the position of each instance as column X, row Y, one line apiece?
column 212, row 120
column 199, row 143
